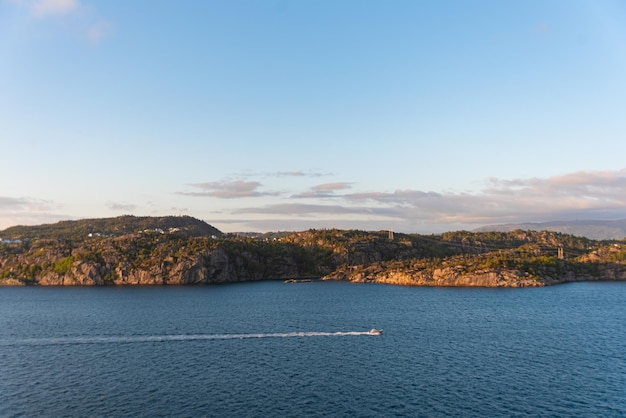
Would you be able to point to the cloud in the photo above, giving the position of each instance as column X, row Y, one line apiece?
column 588, row 188
column 579, row 195
column 121, row 207
column 293, row 224
column 47, row 8
column 326, row 187
column 44, row 8
column 323, row 190
column 24, row 204
column 296, row 209
column 27, row 211
column 8, row 202
column 86, row 23
column 285, row 174
column 582, row 195
column 574, row 195
column 228, row 189
column 297, row 174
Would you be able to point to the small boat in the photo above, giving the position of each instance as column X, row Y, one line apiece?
column 375, row 331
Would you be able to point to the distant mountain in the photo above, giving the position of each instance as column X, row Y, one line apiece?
column 598, row 230
column 120, row 225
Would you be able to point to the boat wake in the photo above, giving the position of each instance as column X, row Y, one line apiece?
column 166, row 338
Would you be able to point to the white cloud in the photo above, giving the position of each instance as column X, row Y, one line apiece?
column 288, row 209
column 332, row 186
column 579, row 195
column 228, row 189
column 121, row 207
column 323, row 190
column 45, row 8
column 582, row 195
column 24, row 204
column 27, row 211
column 87, row 23
column 307, row 173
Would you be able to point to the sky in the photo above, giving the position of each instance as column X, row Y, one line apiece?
column 417, row 116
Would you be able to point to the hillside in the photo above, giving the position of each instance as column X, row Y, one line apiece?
column 152, row 256
column 599, row 230
column 499, row 259
column 79, row 230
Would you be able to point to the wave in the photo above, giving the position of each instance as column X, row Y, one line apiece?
column 167, row 337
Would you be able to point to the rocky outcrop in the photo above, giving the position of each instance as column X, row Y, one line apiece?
column 443, row 277
column 137, row 261
column 455, row 259
column 459, row 276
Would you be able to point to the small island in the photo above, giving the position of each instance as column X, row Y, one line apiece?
column 181, row 250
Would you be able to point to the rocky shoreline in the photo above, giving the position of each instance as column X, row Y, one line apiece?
column 182, row 253
column 453, row 277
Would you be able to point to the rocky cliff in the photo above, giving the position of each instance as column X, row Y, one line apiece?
column 454, row 276
column 503, row 269
column 149, row 259
column 156, row 257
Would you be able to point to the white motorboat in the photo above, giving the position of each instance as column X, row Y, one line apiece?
column 375, row 331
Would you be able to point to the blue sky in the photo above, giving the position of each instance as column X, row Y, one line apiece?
column 416, row 116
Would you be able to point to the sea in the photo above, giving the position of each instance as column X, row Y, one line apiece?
column 272, row 349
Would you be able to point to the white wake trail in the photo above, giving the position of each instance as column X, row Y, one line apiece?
column 122, row 339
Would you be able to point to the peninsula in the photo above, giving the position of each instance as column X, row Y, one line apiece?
column 183, row 250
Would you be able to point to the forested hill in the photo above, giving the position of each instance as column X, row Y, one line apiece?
column 121, row 225
column 183, row 250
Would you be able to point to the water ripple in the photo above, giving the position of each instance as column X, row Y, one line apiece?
column 214, row 351
column 120, row 339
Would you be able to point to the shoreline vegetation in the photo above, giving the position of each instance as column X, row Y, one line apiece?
column 182, row 250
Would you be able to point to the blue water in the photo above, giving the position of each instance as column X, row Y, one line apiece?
column 275, row 349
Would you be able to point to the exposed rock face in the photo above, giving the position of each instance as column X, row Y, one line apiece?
column 443, row 277
column 455, row 276
column 461, row 259
column 110, row 264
